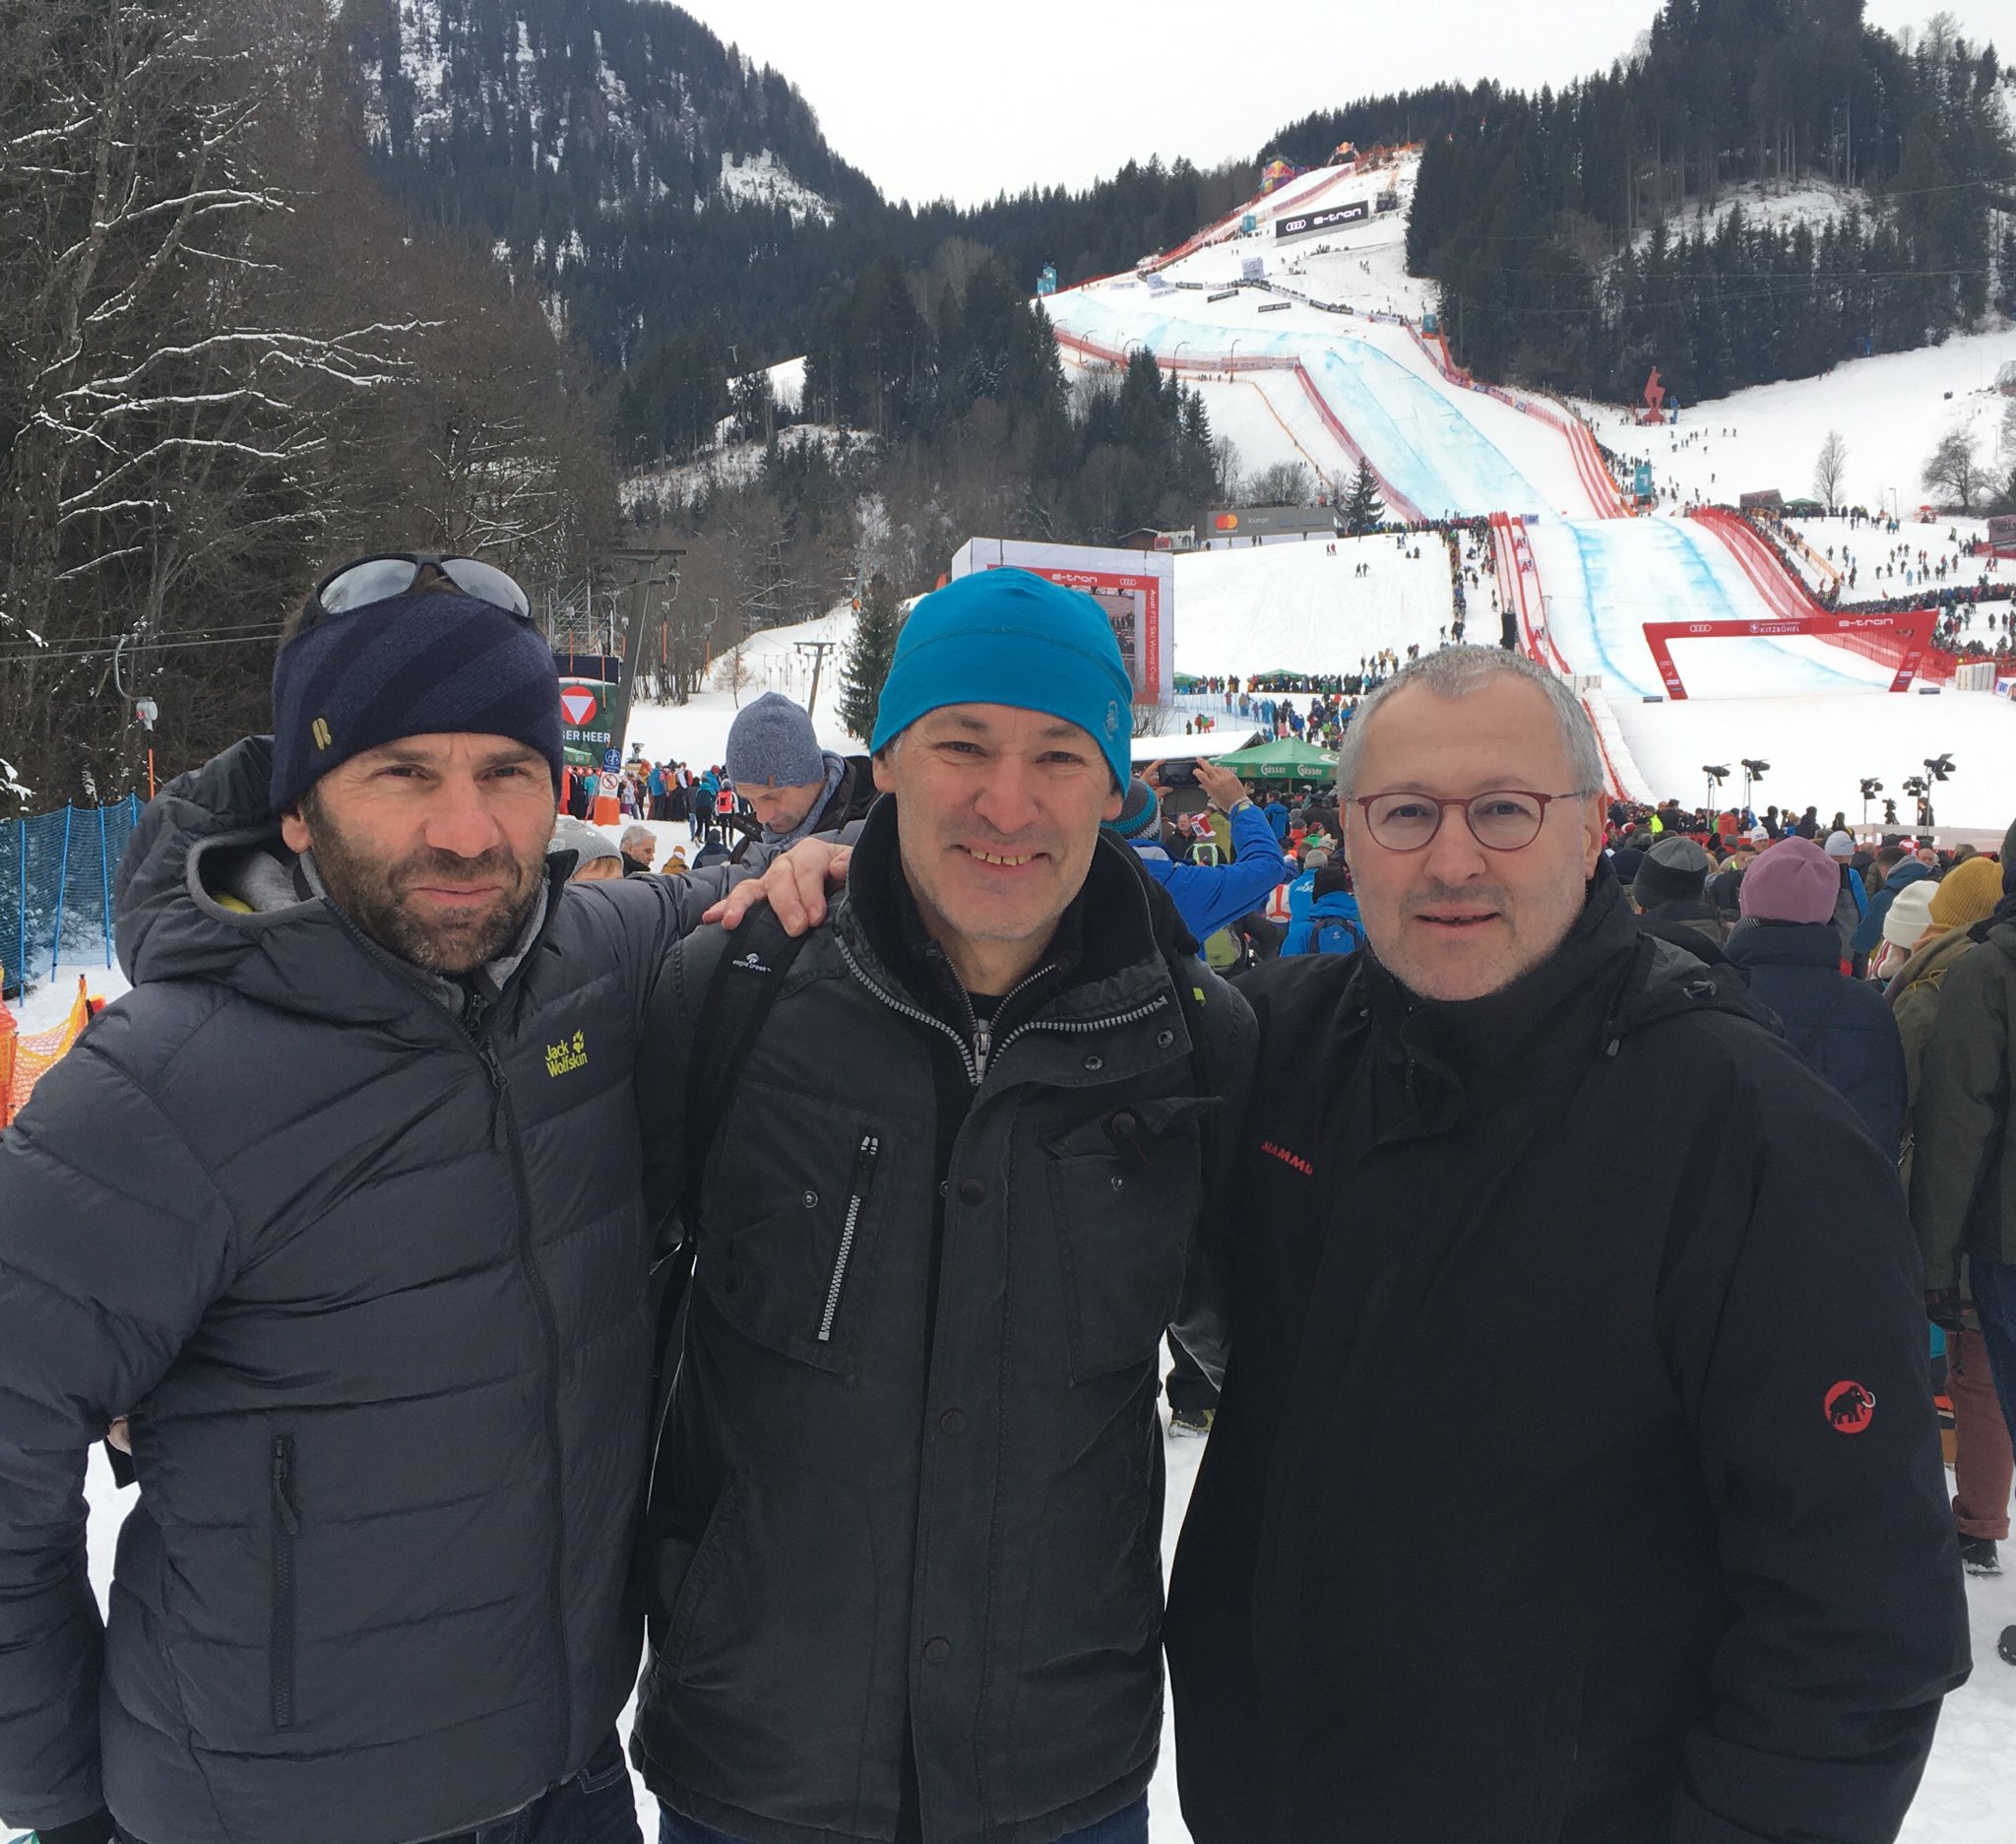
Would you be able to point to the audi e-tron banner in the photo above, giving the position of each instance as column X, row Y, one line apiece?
column 1303, row 223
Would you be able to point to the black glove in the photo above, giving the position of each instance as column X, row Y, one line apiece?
column 96, row 1830
column 1944, row 1308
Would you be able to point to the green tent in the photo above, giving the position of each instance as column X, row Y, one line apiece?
column 1285, row 759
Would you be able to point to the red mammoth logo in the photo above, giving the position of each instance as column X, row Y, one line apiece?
column 1850, row 1408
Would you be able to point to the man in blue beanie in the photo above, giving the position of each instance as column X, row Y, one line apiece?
column 905, row 1527
column 341, row 1207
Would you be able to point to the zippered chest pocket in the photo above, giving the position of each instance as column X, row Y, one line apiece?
column 793, row 1235
column 1126, row 1192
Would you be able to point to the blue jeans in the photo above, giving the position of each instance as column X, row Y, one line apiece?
column 1993, row 1286
column 1129, row 1827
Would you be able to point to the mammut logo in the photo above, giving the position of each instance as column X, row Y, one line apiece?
column 1850, row 1408
column 1287, row 1157
column 568, row 1053
column 319, row 729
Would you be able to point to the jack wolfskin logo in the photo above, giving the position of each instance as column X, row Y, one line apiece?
column 1287, row 1157
column 568, row 1053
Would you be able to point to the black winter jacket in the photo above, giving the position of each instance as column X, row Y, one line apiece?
column 1840, row 1026
column 912, row 1481
column 1524, row 1519
column 371, row 1283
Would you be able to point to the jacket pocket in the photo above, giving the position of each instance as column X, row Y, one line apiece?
column 790, row 1244
column 287, row 1530
column 1125, row 1190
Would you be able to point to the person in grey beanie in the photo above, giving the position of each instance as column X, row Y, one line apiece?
column 796, row 788
column 339, row 1208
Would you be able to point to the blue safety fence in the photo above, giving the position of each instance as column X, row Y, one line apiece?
column 56, row 889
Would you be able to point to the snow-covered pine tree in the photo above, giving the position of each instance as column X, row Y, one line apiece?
column 1364, row 510
column 868, row 657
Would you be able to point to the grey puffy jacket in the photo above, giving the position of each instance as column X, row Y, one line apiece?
column 372, row 1286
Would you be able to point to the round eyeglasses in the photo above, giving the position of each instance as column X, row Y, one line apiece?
column 1506, row 819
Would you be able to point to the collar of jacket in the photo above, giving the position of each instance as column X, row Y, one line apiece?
column 1108, row 959
column 1929, row 961
column 1755, row 942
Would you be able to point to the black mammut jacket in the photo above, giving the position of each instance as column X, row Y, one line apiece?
column 909, row 1500
column 1528, row 1518
column 370, row 1279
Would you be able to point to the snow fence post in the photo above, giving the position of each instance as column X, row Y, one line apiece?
column 62, row 888
column 105, row 888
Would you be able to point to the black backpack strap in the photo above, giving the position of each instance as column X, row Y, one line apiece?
column 746, row 980
column 744, row 984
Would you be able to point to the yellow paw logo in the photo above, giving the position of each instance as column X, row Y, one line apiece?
column 567, row 1054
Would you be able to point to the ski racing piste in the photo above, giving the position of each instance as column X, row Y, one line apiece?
column 1627, row 608
column 1520, row 600
column 1405, row 420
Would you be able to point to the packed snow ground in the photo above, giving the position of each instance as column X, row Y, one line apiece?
column 1891, row 412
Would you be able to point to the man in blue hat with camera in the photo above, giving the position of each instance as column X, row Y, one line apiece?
column 904, row 1523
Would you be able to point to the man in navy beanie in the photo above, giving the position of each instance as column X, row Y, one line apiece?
column 340, row 1209
column 904, row 1533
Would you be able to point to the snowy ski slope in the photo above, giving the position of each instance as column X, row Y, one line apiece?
column 1332, row 370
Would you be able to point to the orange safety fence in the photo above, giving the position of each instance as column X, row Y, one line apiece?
column 27, row 1056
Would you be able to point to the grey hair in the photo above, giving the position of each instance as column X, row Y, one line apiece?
column 639, row 832
column 1455, row 671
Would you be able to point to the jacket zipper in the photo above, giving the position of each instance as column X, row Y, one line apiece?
column 1069, row 1026
column 865, row 1156
column 908, row 1010
column 549, row 1337
column 286, row 1526
column 472, row 1030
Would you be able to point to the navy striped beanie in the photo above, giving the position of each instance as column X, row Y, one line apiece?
column 409, row 665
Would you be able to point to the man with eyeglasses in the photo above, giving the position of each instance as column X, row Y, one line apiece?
column 342, row 1207
column 1531, row 1515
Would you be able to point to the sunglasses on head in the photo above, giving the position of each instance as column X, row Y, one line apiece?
column 393, row 573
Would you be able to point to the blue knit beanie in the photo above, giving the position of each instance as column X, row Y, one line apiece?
column 1008, row 637
column 409, row 665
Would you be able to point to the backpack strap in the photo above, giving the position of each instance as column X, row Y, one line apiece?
column 744, row 984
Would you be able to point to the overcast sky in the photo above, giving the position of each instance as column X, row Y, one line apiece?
column 945, row 98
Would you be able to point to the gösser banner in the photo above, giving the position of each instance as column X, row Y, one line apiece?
column 1136, row 589
column 1302, row 224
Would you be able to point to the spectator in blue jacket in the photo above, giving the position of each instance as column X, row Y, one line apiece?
column 1208, row 897
column 1901, row 868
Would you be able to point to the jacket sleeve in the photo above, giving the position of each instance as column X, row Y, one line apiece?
column 113, row 1242
column 1208, row 897
column 1870, row 930
column 1963, row 1092
column 1837, row 1544
column 1232, row 1038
